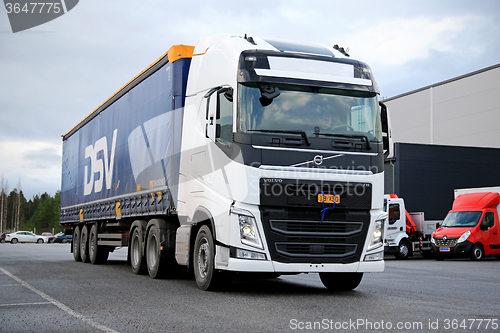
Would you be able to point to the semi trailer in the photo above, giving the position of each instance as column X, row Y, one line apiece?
column 240, row 154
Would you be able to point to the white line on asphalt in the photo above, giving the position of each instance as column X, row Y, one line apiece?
column 61, row 306
column 14, row 304
column 9, row 285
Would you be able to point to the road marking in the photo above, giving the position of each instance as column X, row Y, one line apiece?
column 60, row 305
column 9, row 285
column 14, row 304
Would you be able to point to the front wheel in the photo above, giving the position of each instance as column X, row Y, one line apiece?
column 477, row 252
column 207, row 278
column 403, row 250
column 39, row 241
column 341, row 281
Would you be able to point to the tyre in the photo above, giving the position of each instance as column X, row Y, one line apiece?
column 497, row 256
column 13, row 241
column 403, row 250
column 154, row 254
column 84, row 244
column 207, row 278
column 341, row 281
column 136, row 253
column 76, row 244
column 98, row 254
column 477, row 252
column 39, row 241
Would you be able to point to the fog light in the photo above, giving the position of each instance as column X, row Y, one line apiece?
column 374, row 256
column 245, row 254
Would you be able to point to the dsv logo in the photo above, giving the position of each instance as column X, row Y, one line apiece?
column 97, row 165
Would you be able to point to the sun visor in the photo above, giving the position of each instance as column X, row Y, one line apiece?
column 308, row 69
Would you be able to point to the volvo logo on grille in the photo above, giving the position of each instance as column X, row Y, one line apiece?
column 318, row 159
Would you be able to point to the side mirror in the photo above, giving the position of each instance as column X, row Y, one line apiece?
column 438, row 224
column 386, row 132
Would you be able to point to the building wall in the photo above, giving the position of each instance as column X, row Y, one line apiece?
column 427, row 175
column 463, row 111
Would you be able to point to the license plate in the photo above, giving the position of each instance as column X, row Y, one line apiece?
column 329, row 198
column 444, row 249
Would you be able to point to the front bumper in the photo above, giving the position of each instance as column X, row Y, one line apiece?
column 459, row 249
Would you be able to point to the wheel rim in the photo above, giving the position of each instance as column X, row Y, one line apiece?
column 203, row 255
column 403, row 249
column 478, row 253
column 152, row 245
column 93, row 244
column 135, row 250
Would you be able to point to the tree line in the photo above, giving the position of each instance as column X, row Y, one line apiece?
column 39, row 214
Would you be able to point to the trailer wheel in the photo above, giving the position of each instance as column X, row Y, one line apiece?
column 76, row 244
column 98, row 254
column 207, row 278
column 84, row 248
column 403, row 250
column 136, row 258
column 341, row 281
column 477, row 252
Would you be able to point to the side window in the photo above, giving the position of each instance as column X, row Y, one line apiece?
column 488, row 219
column 394, row 213
column 225, row 116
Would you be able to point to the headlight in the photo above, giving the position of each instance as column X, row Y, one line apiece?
column 433, row 241
column 249, row 234
column 464, row 237
column 378, row 234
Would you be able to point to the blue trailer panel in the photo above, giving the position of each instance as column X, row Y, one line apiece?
column 123, row 159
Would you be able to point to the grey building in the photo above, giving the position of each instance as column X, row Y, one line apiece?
column 447, row 136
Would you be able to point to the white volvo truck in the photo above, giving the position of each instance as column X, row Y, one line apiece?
column 238, row 155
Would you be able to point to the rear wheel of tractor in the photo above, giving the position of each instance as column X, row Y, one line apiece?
column 207, row 278
column 341, row 281
column 477, row 252
column 84, row 244
column 403, row 250
column 76, row 244
column 136, row 257
column 153, row 253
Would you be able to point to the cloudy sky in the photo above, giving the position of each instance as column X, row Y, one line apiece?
column 54, row 75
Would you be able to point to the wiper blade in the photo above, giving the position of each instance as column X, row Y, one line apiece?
column 303, row 133
column 352, row 136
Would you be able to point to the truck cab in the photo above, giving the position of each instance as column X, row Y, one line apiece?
column 471, row 228
column 396, row 240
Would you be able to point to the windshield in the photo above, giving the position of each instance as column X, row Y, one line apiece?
column 316, row 111
column 461, row 219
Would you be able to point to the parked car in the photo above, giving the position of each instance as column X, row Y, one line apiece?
column 2, row 237
column 48, row 236
column 24, row 237
column 62, row 238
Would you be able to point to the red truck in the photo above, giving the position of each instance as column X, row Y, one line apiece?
column 471, row 228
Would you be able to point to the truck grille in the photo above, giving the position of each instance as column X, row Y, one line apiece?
column 449, row 242
column 316, row 249
column 296, row 229
column 299, row 236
